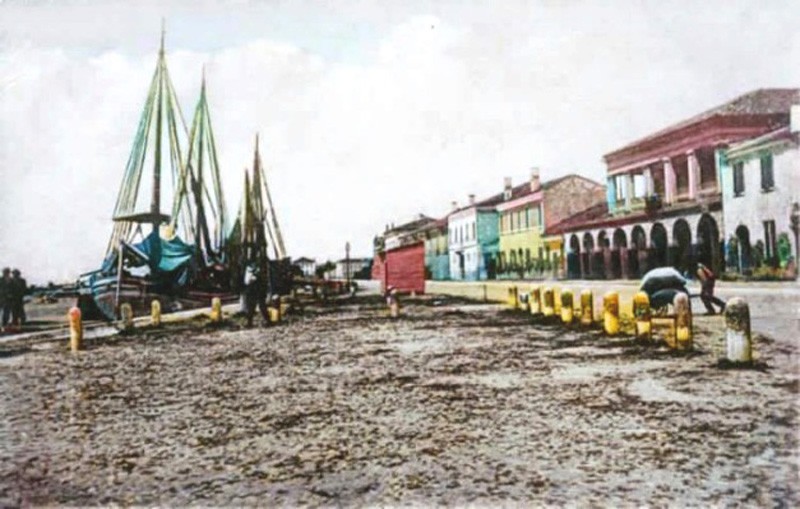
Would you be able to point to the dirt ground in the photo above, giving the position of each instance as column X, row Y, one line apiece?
column 453, row 404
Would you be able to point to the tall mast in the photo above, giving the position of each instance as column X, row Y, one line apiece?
column 155, row 204
column 199, row 188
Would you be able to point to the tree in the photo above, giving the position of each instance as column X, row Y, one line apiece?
column 324, row 268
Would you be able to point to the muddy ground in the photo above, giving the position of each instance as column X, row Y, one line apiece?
column 454, row 403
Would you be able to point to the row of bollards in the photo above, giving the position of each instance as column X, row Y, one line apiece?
column 541, row 301
column 75, row 320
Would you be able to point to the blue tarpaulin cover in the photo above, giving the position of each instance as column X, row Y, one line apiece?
column 165, row 255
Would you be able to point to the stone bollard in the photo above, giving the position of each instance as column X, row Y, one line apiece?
column 739, row 344
column 587, row 308
column 611, row 313
column 567, row 311
column 216, row 310
column 75, row 329
column 274, row 314
column 126, row 314
column 535, row 300
column 513, row 298
column 641, row 314
column 394, row 304
column 548, row 305
column 155, row 313
column 683, row 322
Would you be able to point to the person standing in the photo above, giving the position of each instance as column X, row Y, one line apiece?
column 5, row 296
column 707, row 279
column 255, row 294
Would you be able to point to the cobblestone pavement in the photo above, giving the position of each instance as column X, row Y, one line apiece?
column 454, row 403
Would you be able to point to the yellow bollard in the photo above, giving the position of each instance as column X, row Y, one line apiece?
column 683, row 322
column 126, row 314
column 513, row 300
column 611, row 313
column 75, row 329
column 738, row 341
column 155, row 313
column 274, row 314
column 556, row 300
column 535, row 300
column 587, row 308
column 567, row 312
column 641, row 315
column 548, row 306
column 216, row 310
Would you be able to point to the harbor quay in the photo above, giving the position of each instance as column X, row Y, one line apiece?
column 455, row 401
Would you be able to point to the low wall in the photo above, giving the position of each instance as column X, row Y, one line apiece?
column 497, row 291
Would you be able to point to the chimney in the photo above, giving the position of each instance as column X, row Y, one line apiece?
column 472, row 199
column 506, row 188
column 535, row 182
column 420, row 216
column 454, row 205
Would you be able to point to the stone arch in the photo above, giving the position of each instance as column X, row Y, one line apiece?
column 638, row 237
column 574, row 257
column 588, row 254
column 574, row 244
column 588, row 242
column 602, row 240
column 619, row 239
column 708, row 240
column 682, row 239
column 659, row 244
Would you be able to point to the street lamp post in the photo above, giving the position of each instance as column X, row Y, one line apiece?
column 794, row 221
column 347, row 263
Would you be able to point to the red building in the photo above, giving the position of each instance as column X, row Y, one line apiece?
column 405, row 268
column 400, row 256
column 664, row 201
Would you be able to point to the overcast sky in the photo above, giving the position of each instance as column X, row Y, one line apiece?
column 369, row 112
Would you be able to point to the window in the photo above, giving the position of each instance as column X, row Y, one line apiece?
column 767, row 178
column 513, row 226
column 738, row 179
column 474, row 232
column 770, row 242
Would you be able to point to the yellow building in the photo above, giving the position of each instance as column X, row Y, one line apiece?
column 525, row 248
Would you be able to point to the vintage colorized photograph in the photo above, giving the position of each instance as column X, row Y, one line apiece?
column 418, row 253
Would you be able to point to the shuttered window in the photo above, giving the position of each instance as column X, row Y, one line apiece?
column 738, row 179
column 767, row 178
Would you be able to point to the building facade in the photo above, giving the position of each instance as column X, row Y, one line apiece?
column 399, row 259
column 307, row 266
column 437, row 259
column 664, row 193
column 473, row 240
column 525, row 248
column 760, row 192
column 350, row 268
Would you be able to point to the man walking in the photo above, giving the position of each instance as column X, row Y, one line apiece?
column 707, row 279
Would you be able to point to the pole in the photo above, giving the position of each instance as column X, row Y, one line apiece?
column 347, row 262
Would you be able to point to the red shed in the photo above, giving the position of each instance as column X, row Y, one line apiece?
column 405, row 268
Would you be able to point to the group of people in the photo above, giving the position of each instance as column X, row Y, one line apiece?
column 13, row 288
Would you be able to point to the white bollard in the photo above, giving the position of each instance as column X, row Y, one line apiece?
column 739, row 344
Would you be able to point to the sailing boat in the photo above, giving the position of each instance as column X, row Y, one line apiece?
column 256, row 230
column 162, row 264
